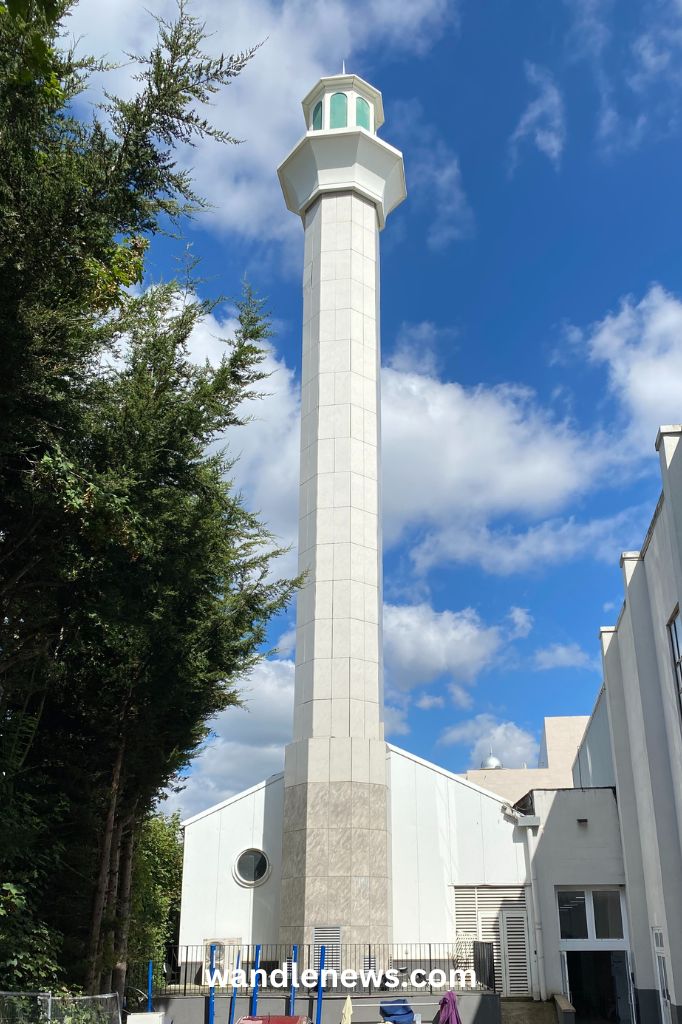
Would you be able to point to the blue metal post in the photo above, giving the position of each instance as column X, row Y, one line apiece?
column 320, row 989
column 233, row 1000
column 211, row 991
column 150, row 985
column 294, row 979
column 256, row 980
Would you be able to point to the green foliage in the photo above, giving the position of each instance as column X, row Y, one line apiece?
column 157, row 883
column 135, row 584
column 27, row 947
column 37, row 58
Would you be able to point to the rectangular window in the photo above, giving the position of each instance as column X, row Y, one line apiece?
column 675, row 630
column 572, row 914
column 608, row 922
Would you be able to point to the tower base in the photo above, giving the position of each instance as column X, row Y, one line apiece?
column 336, row 864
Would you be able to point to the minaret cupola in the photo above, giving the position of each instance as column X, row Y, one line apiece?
column 341, row 151
column 343, row 101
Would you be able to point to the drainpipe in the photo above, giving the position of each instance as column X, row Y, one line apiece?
column 528, row 823
column 531, row 841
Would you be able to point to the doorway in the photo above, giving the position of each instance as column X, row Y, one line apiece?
column 599, row 986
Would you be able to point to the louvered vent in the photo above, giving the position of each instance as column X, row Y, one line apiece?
column 516, row 954
column 330, row 938
column 479, row 915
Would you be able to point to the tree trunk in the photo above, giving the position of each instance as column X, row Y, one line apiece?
column 123, row 912
column 92, row 974
column 106, row 954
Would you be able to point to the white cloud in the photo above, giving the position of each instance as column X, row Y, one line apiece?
column 395, row 721
column 286, row 644
column 522, row 622
column 504, row 453
column 429, row 701
column 641, row 348
column 590, row 32
column 656, row 73
column 480, row 459
column 513, row 745
column 543, row 120
column 476, row 453
column 247, row 745
column 434, row 175
column 460, row 696
column 301, row 43
column 564, row 656
column 416, row 347
column 267, row 447
column 472, row 456
column 639, row 81
column 421, row 644
column 504, row 551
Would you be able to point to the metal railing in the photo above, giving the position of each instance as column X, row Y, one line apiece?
column 397, row 968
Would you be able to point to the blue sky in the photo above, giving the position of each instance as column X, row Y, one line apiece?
column 531, row 333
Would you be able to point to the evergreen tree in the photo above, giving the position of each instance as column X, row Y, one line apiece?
column 136, row 586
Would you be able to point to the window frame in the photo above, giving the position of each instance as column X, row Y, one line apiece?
column 675, row 647
column 332, row 97
column 592, row 942
column 358, row 101
column 240, row 879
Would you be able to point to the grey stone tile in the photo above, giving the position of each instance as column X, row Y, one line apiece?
column 360, row 901
column 360, row 804
column 317, row 852
column 340, row 804
column 318, row 805
column 360, row 852
column 339, row 851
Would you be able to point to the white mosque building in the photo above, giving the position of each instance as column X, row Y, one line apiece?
column 573, row 870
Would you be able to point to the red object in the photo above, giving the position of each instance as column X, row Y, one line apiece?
column 268, row 1018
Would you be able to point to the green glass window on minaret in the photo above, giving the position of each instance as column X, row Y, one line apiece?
column 317, row 117
column 362, row 113
column 339, row 110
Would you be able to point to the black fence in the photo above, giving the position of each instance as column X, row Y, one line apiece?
column 412, row 967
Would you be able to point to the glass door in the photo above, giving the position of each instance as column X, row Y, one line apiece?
column 663, row 988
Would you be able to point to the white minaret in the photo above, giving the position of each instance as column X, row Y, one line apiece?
column 343, row 181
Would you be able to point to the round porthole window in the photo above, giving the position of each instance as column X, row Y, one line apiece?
column 251, row 867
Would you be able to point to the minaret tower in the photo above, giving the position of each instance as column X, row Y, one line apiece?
column 343, row 182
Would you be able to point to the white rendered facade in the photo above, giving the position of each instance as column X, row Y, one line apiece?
column 451, row 843
column 635, row 740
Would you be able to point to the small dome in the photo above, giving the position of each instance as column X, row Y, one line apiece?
column 491, row 761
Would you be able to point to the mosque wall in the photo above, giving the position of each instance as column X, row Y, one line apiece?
column 445, row 832
column 593, row 765
column 216, row 904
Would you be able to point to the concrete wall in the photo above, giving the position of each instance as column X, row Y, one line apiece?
column 567, row 853
column 445, row 832
column 560, row 739
column 594, row 763
column 214, row 904
column 645, row 732
column 474, row 1007
column 561, row 736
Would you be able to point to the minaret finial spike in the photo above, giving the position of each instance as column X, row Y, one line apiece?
column 343, row 67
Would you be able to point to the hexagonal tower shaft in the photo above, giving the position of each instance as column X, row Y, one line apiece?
column 343, row 181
